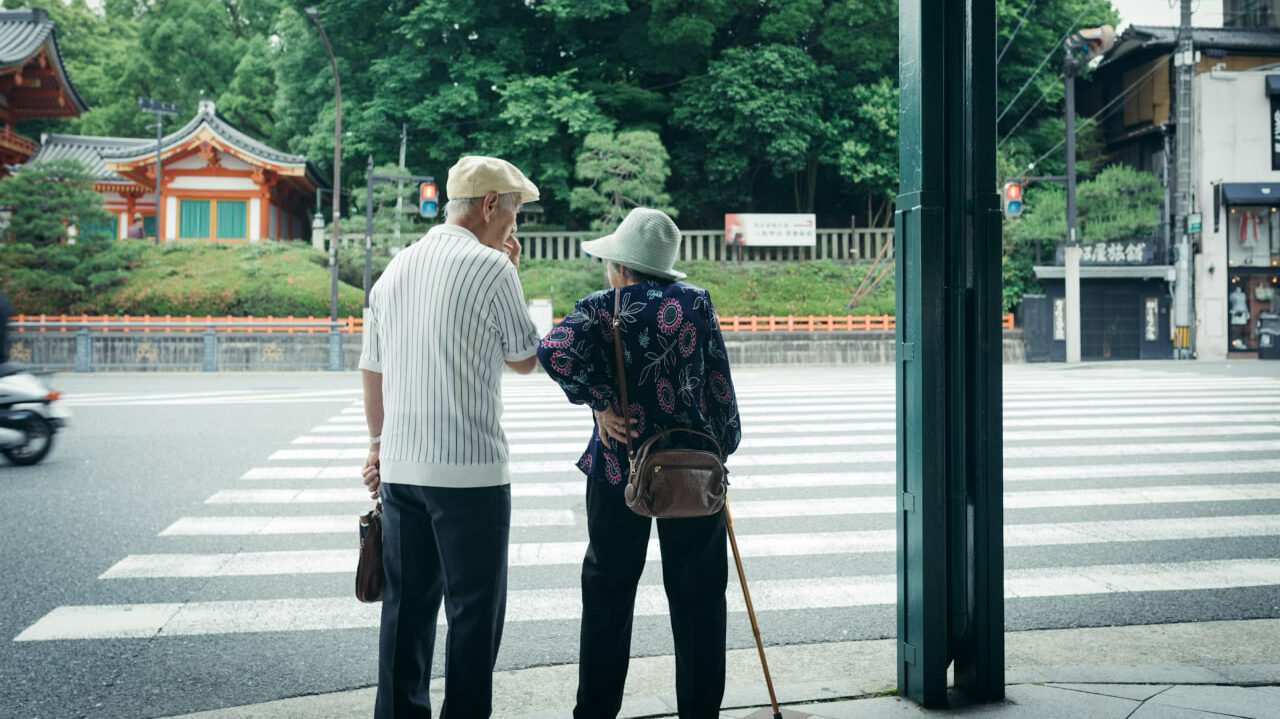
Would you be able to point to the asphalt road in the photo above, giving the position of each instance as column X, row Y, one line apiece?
column 1136, row 494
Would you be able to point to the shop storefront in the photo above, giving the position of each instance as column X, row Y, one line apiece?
column 1252, row 213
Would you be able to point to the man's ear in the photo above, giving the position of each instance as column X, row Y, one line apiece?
column 489, row 206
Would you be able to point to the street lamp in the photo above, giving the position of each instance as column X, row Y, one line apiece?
column 335, row 339
column 337, row 163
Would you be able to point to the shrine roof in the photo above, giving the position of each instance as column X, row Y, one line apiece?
column 22, row 34
column 88, row 150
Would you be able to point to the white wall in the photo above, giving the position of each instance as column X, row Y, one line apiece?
column 170, row 217
column 215, row 182
column 255, row 219
column 1233, row 144
column 122, row 225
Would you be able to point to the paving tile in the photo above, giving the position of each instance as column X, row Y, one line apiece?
column 1024, row 701
column 1251, row 702
column 1157, row 711
column 1250, row 673
column 1114, row 674
column 1137, row 692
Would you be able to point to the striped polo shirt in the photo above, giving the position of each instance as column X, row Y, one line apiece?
column 442, row 319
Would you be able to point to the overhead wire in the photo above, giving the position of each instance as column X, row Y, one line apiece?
column 1016, row 30
column 1109, row 106
column 1046, row 59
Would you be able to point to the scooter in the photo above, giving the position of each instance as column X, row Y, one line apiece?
column 29, row 415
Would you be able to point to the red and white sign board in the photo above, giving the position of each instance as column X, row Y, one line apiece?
column 759, row 230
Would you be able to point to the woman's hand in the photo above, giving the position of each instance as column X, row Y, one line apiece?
column 611, row 426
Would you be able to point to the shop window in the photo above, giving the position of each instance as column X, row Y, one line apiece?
column 1253, row 300
column 233, row 222
column 1253, row 237
column 193, row 220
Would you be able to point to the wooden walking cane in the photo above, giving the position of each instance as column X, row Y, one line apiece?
column 776, row 713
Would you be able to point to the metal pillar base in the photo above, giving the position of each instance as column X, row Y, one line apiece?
column 209, row 352
column 335, row 351
column 84, row 351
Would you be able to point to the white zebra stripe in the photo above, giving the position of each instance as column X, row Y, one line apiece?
column 291, row 615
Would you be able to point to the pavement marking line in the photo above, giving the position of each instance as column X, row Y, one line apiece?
column 342, row 427
column 840, row 506
column 313, row 472
column 270, row 398
column 351, row 410
column 338, row 561
column 829, row 506
column 886, row 421
column 564, row 604
column 754, row 439
column 800, row 480
column 329, row 524
column 888, row 456
column 802, row 413
column 295, row 454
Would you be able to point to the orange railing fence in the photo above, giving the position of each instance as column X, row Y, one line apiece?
column 147, row 324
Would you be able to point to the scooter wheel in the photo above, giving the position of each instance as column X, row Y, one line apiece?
column 39, row 442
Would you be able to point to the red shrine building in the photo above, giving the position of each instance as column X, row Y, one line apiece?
column 218, row 183
column 33, row 82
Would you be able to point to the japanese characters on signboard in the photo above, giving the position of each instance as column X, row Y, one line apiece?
column 760, row 230
column 1123, row 252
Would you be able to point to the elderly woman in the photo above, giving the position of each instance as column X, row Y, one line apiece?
column 677, row 375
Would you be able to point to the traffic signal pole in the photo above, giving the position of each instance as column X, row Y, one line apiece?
column 1184, row 63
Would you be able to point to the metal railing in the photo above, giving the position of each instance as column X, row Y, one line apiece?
column 820, row 323
column 88, row 344
column 831, row 244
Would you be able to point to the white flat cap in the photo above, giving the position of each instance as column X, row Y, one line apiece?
column 477, row 176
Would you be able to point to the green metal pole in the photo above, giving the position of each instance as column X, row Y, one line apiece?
column 950, row 567
column 919, row 241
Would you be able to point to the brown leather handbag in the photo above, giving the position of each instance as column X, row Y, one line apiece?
column 668, row 483
column 370, row 579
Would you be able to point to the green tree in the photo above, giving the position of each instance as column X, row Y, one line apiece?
column 247, row 102
column 624, row 171
column 868, row 157
column 45, row 198
column 384, row 208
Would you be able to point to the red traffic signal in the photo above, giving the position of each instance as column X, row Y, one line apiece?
column 428, row 200
column 1012, row 199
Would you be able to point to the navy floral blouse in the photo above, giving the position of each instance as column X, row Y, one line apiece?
column 677, row 369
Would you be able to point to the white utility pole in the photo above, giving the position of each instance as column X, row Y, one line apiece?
column 1184, row 62
column 404, row 134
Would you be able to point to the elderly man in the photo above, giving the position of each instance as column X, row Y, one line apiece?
column 443, row 319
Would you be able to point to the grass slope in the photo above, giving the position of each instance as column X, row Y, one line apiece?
column 261, row 279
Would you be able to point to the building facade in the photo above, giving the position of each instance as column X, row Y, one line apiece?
column 1236, row 131
column 218, row 184
column 1237, row 175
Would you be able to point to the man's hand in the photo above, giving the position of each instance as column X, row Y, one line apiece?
column 373, row 473
column 512, row 247
column 611, row 426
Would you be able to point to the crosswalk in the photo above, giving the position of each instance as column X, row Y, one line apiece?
column 1118, row 483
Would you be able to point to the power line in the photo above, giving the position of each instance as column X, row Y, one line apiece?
column 1104, row 108
column 1052, row 50
column 1025, row 115
column 1016, row 30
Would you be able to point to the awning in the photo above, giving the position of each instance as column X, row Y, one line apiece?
column 1108, row 272
column 1251, row 193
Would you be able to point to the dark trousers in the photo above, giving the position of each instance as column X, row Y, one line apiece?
column 448, row 544
column 695, row 571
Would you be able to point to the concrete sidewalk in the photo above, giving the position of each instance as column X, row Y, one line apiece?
column 1164, row 671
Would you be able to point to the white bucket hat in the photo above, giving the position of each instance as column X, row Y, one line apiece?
column 647, row 241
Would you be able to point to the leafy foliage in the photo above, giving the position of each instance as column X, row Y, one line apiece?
column 623, row 171
column 47, row 197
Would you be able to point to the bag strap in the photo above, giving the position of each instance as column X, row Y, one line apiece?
column 695, row 432
column 622, row 375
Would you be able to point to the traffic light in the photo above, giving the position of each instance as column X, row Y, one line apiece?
column 1012, row 199
column 1094, row 41
column 428, row 200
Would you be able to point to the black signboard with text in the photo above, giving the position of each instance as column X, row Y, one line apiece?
column 1119, row 252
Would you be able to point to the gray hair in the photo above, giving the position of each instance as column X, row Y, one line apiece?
column 461, row 207
column 635, row 275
